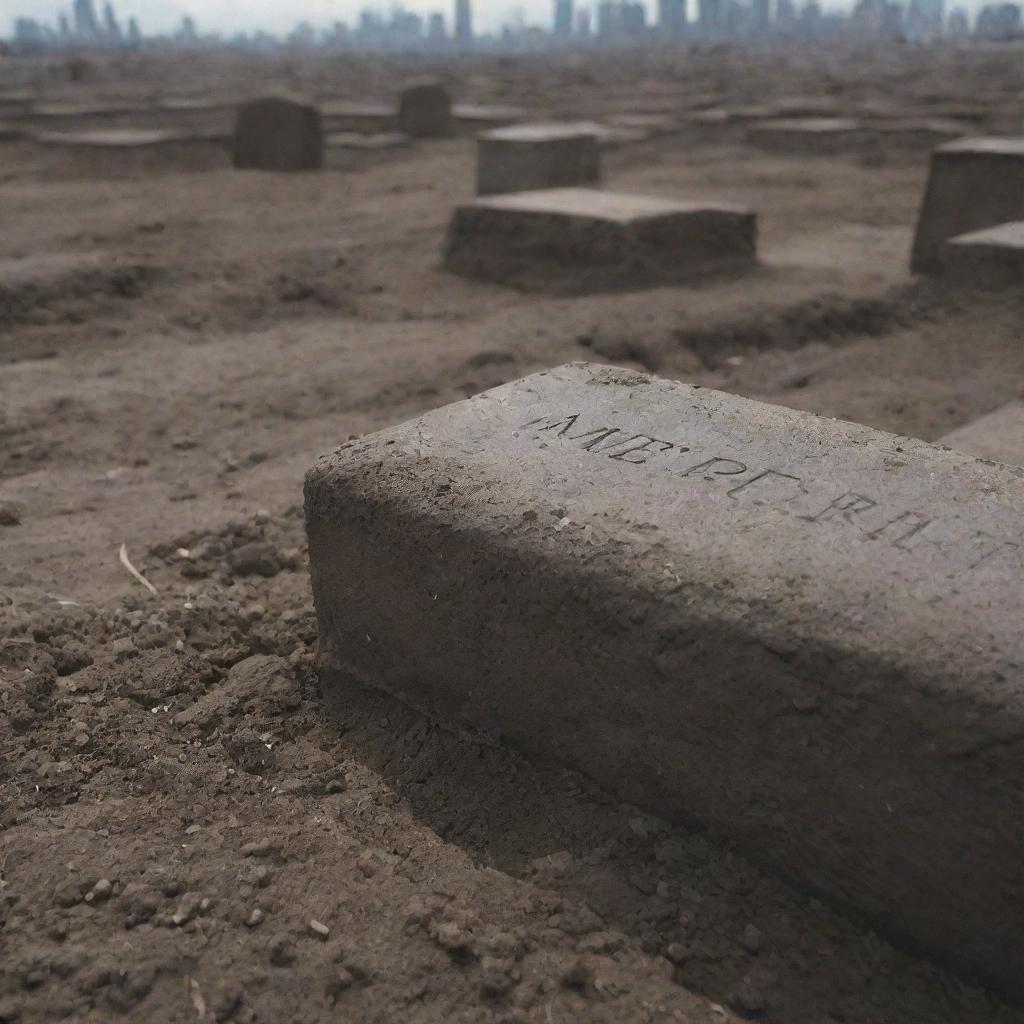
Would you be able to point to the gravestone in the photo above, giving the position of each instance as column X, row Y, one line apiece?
column 972, row 184
column 578, row 240
column 998, row 436
column 992, row 256
column 537, row 156
column 808, row 136
column 278, row 134
column 802, row 633
column 425, row 111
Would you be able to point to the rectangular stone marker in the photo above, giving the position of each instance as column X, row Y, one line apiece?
column 809, row 136
column 998, row 436
column 804, row 634
column 972, row 184
column 538, row 156
column 990, row 256
column 578, row 240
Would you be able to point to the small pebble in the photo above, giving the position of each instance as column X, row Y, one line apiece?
column 318, row 929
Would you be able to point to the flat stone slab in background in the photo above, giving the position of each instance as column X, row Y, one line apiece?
column 807, row 135
column 538, row 156
column 804, row 634
column 111, row 138
column 577, row 240
column 992, row 255
column 998, row 436
column 972, row 184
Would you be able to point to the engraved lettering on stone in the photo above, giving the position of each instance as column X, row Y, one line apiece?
column 565, row 424
column 597, row 436
column 991, row 545
column 899, row 530
column 846, row 505
column 768, row 476
column 730, row 467
column 645, row 446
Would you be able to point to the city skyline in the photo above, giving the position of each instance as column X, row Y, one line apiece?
column 281, row 16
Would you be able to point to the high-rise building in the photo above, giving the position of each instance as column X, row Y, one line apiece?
column 710, row 14
column 671, row 17
column 84, row 16
column 563, row 18
column 762, row 12
column 463, row 23
column 634, row 18
column 111, row 27
column 436, row 32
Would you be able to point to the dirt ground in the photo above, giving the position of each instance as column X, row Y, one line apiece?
column 190, row 828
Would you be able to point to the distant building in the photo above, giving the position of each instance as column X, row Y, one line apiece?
column 710, row 15
column 998, row 22
column 785, row 12
column 959, row 25
column 672, row 17
column 583, row 25
column 463, row 23
column 893, row 23
column 437, row 34
column 84, row 20
column 563, row 18
column 29, row 34
column 620, row 20
column 111, row 27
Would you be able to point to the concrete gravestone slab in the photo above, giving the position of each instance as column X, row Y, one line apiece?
column 802, row 633
column 806, row 136
column 998, row 436
column 111, row 138
column 972, row 184
column 278, row 134
column 538, row 156
column 576, row 240
column 992, row 255
column 425, row 111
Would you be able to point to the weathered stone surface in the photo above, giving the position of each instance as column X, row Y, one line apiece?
column 481, row 116
column 366, row 117
column 802, row 633
column 111, row 138
column 808, row 136
column 425, row 111
column 998, row 436
column 352, row 150
column 538, row 156
column 991, row 256
column 972, row 184
column 578, row 240
column 278, row 134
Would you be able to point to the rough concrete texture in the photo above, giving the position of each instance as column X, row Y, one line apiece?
column 425, row 111
column 580, row 240
column 998, row 436
column 348, row 116
column 538, row 156
column 991, row 256
column 111, row 138
column 800, row 632
column 806, row 136
column 278, row 134
column 972, row 184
